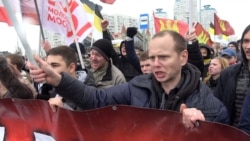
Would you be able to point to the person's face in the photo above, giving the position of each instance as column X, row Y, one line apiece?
column 246, row 45
column 214, row 67
column 203, row 52
column 59, row 65
column 97, row 61
column 166, row 63
column 123, row 50
column 145, row 66
column 232, row 47
column 231, row 59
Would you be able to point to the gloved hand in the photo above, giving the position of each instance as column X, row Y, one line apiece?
column 131, row 31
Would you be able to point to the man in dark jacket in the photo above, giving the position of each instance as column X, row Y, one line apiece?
column 234, row 82
column 173, row 85
column 127, row 61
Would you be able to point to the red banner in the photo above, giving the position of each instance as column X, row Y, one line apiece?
column 202, row 35
column 222, row 27
column 167, row 24
column 29, row 120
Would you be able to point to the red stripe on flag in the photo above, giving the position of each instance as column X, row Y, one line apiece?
column 4, row 16
column 108, row 1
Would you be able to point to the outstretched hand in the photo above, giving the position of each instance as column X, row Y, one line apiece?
column 44, row 73
column 191, row 116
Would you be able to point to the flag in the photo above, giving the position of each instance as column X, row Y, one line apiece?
column 94, row 16
column 211, row 28
column 4, row 15
column 28, row 9
column 167, row 24
column 202, row 35
column 108, row 1
column 56, row 18
column 222, row 27
column 211, row 32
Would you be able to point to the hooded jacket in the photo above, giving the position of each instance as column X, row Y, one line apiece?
column 122, row 63
column 226, row 86
column 141, row 92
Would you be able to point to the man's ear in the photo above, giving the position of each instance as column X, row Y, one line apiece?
column 184, row 57
column 72, row 67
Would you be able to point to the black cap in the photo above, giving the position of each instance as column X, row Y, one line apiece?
column 104, row 47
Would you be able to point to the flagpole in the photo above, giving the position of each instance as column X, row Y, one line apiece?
column 214, row 27
column 39, row 20
column 92, row 39
column 20, row 32
column 74, row 35
column 190, row 17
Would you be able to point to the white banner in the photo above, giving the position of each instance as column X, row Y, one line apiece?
column 55, row 18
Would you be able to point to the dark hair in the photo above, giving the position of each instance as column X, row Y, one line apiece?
column 180, row 42
column 67, row 53
column 81, row 46
column 17, row 60
column 9, row 80
column 235, row 44
column 144, row 56
column 246, row 30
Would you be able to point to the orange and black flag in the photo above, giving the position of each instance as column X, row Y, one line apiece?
column 222, row 27
column 167, row 24
column 94, row 16
column 202, row 35
column 211, row 28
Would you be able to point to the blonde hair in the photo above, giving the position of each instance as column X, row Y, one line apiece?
column 224, row 64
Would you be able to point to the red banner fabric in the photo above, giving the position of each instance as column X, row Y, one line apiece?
column 202, row 35
column 108, row 1
column 167, row 24
column 222, row 27
column 4, row 15
column 29, row 120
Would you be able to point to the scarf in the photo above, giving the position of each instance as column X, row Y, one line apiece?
column 190, row 77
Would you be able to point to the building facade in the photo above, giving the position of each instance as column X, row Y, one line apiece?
column 182, row 10
column 207, row 16
column 116, row 22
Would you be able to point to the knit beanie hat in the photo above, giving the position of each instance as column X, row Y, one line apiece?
column 104, row 47
column 81, row 46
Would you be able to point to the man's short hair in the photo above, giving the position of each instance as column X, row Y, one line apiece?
column 67, row 53
column 180, row 42
column 144, row 56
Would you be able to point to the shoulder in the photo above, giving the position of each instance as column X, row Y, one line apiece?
column 142, row 80
column 115, row 70
column 231, row 71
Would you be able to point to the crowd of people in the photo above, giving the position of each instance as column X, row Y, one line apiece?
column 175, row 73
